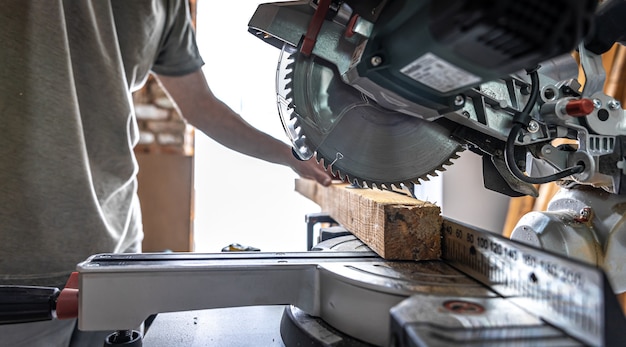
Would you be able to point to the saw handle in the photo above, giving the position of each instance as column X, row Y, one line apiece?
column 608, row 27
column 22, row 304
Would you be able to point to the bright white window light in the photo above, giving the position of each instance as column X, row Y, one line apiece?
column 239, row 199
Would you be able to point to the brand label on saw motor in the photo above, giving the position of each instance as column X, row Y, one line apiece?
column 438, row 74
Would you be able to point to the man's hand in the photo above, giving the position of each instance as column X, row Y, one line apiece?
column 311, row 169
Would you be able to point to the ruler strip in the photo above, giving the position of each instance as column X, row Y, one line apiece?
column 564, row 292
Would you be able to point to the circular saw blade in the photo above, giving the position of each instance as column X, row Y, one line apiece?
column 354, row 136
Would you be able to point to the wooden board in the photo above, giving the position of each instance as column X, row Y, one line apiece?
column 394, row 225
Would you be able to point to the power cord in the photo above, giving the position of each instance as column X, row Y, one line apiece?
column 520, row 121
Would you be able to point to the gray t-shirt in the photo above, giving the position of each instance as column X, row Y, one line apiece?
column 67, row 126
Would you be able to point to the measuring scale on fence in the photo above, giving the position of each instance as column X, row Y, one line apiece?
column 566, row 295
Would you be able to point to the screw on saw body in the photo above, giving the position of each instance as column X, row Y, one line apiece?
column 597, row 103
column 533, row 126
column 614, row 105
column 459, row 100
column 376, row 60
column 584, row 215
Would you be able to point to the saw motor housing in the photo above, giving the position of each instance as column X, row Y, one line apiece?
column 431, row 52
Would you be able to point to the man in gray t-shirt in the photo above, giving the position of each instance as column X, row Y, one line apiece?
column 67, row 131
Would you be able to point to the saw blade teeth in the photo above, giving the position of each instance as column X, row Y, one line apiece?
column 288, row 81
column 294, row 126
column 293, row 114
column 386, row 185
column 289, row 98
column 295, row 123
column 356, row 182
column 332, row 170
column 287, row 77
column 291, row 62
column 339, row 173
column 352, row 180
column 322, row 162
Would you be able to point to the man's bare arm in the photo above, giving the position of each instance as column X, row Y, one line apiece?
column 199, row 106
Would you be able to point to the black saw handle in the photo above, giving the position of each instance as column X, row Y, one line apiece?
column 22, row 304
column 609, row 27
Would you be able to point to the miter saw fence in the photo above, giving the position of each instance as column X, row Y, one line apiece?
column 387, row 92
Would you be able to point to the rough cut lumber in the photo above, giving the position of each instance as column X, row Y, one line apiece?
column 393, row 225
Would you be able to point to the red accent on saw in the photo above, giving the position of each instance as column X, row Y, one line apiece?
column 350, row 28
column 314, row 27
column 579, row 108
column 67, row 302
column 464, row 307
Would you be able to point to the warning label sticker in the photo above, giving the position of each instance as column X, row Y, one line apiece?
column 438, row 74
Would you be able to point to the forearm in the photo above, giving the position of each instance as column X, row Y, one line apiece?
column 205, row 112
column 202, row 109
column 231, row 130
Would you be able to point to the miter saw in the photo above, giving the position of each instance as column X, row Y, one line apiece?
column 388, row 92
